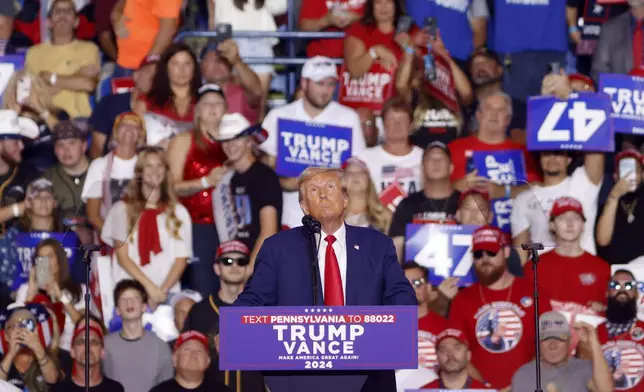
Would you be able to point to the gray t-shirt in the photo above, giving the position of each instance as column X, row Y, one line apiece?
column 138, row 364
column 572, row 377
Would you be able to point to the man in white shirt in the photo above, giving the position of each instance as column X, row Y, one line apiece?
column 319, row 80
column 530, row 211
column 397, row 159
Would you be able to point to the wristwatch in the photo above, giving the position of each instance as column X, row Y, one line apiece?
column 372, row 53
column 53, row 78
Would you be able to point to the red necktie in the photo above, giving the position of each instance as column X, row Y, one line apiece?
column 638, row 45
column 333, row 293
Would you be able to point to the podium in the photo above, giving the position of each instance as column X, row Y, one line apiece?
column 311, row 349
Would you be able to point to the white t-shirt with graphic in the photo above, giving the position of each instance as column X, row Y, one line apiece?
column 385, row 168
column 531, row 209
column 120, row 175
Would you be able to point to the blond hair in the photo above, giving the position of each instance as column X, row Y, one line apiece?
column 311, row 172
column 136, row 200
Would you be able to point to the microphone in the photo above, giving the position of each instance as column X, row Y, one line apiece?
column 313, row 226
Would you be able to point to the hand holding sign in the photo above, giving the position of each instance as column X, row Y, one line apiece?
column 580, row 123
column 501, row 167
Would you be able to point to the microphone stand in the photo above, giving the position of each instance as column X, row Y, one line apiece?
column 313, row 227
column 533, row 250
column 87, row 249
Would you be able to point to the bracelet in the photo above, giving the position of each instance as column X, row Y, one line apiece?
column 53, row 79
column 508, row 191
column 44, row 115
column 204, row 182
column 44, row 358
column 15, row 210
column 409, row 49
column 153, row 58
column 373, row 54
column 573, row 29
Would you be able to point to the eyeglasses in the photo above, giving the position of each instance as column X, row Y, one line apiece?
column 615, row 285
column 418, row 282
column 478, row 254
column 228, row 261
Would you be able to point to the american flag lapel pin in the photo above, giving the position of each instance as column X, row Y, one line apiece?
column 356, row 247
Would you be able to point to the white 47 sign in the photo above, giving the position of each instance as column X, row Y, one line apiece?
column 439, row 251
column 585, row 123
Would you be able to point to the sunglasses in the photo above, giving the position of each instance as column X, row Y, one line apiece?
column 418, row 282
column 615, row 285
column 228, row 261
column 478, row 254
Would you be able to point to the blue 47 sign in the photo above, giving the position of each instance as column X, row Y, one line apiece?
column 583, row 122
column 626, row 93
column 445, row 250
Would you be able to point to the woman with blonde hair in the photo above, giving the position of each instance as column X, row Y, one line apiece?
column 365, row 208
column 150, row 230
column 196, row 161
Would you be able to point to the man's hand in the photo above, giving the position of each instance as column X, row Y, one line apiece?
column 228, row 49
column 620, row 188
column 557, row 85
column 587, row 334
column 472, row 180
column 449, row 287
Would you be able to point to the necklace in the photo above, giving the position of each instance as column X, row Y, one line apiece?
column 485, row 301
column 628, row 210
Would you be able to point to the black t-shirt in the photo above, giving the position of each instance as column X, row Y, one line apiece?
column 14, row 190
column 67, row 385
column 106, row 112
column 20, row 381
column 253, row 190
column 204, row 317
column 207, row 386
column 626, row 243
column 417, row 207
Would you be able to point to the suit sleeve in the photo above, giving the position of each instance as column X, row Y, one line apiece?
column 601, row 58
column 261, row 289
column 398, row 291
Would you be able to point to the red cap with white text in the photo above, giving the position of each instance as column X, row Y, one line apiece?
column 488, row 238
column 453, row 333
column 565, row 204
column 233, row 246
column 192, row 335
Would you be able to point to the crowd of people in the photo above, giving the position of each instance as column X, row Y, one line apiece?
column 176, row 171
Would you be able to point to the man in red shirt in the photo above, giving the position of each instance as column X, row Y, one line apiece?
column 453, row 359
column 494, row 115
column 569, row 265
column 328, row 16
column 496, row 313
column 622, row 335
column 429, row 323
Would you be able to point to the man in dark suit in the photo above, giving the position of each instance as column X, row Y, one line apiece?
column 357, row 266
column 617, row 50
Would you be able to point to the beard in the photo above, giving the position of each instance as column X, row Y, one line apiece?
column 485, row 80
column 490, row 275
column 621, row 312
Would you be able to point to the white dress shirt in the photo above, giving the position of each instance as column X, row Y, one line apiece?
column 340, row 248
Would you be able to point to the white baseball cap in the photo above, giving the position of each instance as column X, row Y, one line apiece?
column 319, row 68
column 14, row 126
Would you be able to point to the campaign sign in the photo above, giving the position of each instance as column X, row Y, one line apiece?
column 368, row 91
column 445, row 250
column 303, row 144
column 318, row 338
column 502, row 209
column 26, row 245
column 627, row 97
column 9, row 64
column 581, row 123
column 442, row 86
column 502, row 167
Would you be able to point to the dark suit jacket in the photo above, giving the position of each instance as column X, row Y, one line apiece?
column 282, row 277
column 614, row 53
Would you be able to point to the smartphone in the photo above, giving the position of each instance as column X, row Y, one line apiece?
column 224, row 32
column 28, row 324
column 431, row 26
column 627, row 170
column 43, row 274
column 554, row 68
column 404, row 24
column 23, row 89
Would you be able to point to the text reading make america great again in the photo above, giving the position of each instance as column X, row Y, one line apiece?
column 319, row 338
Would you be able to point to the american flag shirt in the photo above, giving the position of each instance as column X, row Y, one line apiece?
column 429, row 326
column 624, row 354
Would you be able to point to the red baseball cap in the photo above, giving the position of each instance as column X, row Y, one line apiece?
column 488, row 238
column 232, row 246
column 452, row 333
column 474, row 191
column 582, row 78
column 565, row 204
column 192, row 335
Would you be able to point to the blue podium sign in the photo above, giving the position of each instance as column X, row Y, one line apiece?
column 582, row 123
column 445, row 250
column 318, row 338
column 302, row 144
